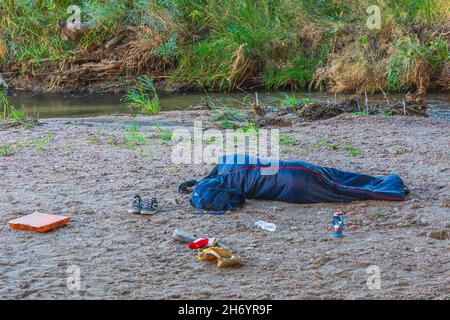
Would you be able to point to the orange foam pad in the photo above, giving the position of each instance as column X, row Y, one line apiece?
column 40, row 222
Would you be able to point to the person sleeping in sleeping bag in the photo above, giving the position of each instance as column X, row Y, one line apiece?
column 239, row 176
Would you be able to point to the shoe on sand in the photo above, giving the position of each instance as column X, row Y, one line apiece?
column 150, row 206
column 136, row 205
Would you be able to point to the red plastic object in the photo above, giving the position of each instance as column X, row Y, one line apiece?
column 40, row 222
column 199, row 243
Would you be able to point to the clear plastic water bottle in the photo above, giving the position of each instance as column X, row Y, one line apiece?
column 265, row 226
column 183, row 236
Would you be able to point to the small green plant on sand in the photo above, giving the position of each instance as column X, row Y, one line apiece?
column 227, row 114
column 163, row 134
column 23, row 143
column 210, row 139
column 324, row 144
column 353, row 151
column 41, row 143
column 38, row 143
column 111, row 140
column 173, row 172
column 286, row 140
column 250, row 128
column 133, row 138
column 399, row 152
column 94, row 138
column 228, row 118
column 145, row 153
column 144, row 97
column 6, row 150
column 379, row 214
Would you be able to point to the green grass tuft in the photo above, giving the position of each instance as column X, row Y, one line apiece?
column 144, row 97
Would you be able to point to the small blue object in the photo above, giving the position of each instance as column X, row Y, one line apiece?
column 211, row 213
column 338, row 224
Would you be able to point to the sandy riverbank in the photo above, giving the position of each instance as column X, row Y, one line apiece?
column 86, row 171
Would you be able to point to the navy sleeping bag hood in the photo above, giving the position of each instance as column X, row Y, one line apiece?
column 291, row 181
column 212, row 194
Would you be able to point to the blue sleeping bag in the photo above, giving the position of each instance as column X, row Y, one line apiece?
column 302, row 182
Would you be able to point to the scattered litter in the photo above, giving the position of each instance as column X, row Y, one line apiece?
column 201, row 243
column 40, row 222
column 209, row 249
column 263, row 225
column 183, row 236
column 224, row 256
column 338, row 224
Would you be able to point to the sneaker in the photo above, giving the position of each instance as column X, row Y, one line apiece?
column 407, row 191
column 150, row 206
column 136, row 205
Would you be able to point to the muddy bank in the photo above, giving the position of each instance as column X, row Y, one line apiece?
column 91, row 169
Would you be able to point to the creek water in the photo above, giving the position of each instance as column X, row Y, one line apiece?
column 68, row 106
